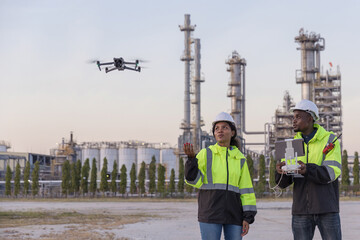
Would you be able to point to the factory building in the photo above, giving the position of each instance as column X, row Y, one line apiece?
column 13, row 158
column 122, row 152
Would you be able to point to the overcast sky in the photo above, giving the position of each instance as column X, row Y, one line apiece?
column 48, row 89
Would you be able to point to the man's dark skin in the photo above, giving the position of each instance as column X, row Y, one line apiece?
column 304, row 123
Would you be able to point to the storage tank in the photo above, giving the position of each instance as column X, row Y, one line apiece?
column 168, row 160
column 78, row 152
column 110, row 152
column 127, row 156
column 91, row 152
column 4, row 146
column 145, row 154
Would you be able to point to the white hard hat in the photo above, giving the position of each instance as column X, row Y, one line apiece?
column 223, row 117
column 307, row 106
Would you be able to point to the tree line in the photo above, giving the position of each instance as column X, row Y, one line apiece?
column 261, row 186
column 81, row 180
column 77, row 180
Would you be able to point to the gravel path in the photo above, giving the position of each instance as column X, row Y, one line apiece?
column 178, row 220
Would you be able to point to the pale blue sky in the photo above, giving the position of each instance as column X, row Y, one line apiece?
column 47, row 89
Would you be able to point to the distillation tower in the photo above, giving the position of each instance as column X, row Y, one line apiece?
column 237, row 94
column 197, row 124
column 310, row 47
column 187, row 28
column 324, row 89
column 192, row 132
column 236, row 89
column 283, row 120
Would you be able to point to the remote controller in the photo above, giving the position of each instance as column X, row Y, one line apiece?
column 289, row 168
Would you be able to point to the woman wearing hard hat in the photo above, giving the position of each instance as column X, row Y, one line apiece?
column 226, row 198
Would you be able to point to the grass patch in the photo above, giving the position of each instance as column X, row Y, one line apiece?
column 18, row 219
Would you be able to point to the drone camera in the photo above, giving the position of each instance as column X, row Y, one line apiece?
column 120, row 65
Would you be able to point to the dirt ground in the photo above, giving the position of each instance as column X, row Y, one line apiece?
column 135, row 220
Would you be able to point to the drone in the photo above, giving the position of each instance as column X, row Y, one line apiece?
column 120, row 65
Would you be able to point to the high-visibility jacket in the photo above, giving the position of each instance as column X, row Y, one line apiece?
column 226, row 194
column 316, row 191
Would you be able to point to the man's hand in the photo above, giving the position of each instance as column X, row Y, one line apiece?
column 302, row 169
column 189, row 150
column 245, row 228
column 278, row 167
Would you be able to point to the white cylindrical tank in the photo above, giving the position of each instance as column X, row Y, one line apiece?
column 4, row 146
column 91, row 153
column 111, row 154
column 127, row 156
column 168, row 160
column 145, row 154
column 78, row 154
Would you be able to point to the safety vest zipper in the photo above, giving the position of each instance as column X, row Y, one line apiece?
column 227, row 173
column 307, row 190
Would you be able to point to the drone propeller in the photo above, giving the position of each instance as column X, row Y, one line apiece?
column 91, row 61
column 139, row 60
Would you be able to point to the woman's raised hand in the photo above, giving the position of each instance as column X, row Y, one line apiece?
column 189, row 150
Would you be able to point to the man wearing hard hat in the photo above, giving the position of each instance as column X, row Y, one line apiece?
column 316, row 187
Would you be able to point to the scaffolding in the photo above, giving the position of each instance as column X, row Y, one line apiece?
column 283, row 119
column 324, row 89
column 328, row 99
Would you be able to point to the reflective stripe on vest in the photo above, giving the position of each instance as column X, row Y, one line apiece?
column 199, row 175
column 249, row 208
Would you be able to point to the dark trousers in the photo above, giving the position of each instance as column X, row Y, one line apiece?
column 303, row 226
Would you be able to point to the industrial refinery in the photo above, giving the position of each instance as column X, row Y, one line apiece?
column 318, row 85
column 322, row 86
column 123, row 153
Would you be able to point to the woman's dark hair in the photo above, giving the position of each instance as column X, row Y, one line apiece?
column 234, row 141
